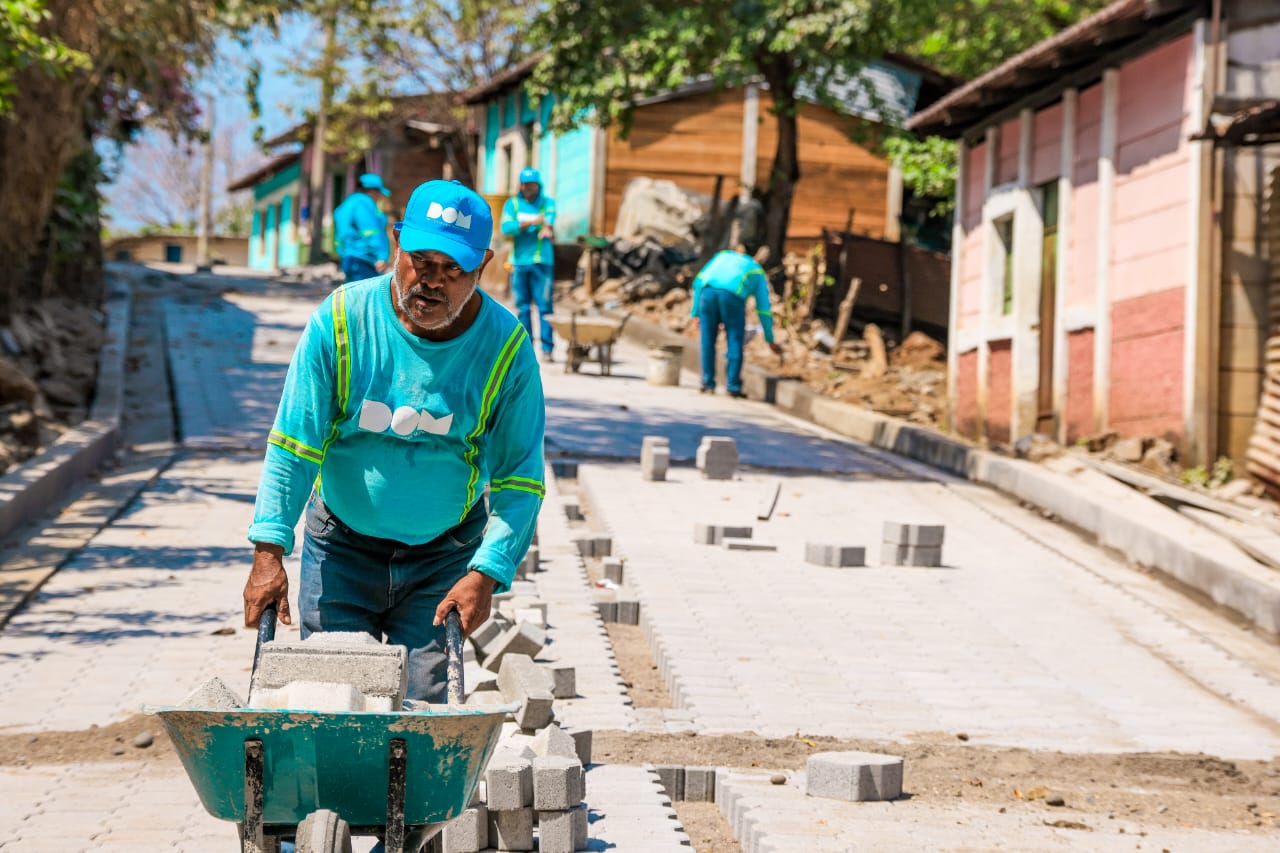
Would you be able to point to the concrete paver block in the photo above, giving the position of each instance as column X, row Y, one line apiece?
column 559, row 783
column 672, row 778
column 558, row 831
column 489, row 630
column 736, row 543
column 356, row 659
column 612, row 569
column 508, row 783
column 524, row 683
column 606, row 602
column 594, row 545
column 854, row 776
column 521, row 638
column 553, row 740
column 582, row 742
column 564, row 681
column 900, row 533
column 700, row 784
column 835, row 556
column 529, row 565
column 717, row 457
column 628, row 609
column 511, row 829
column 532, row 615
column 714, row 534
column 572, row 509
column 928, row 556
column 468, row 832
column 486, row 697
column 477, row 678
column 655, row 457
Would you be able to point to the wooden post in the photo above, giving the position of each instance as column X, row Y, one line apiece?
column 846, row 309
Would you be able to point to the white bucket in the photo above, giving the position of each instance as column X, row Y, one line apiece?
column 664, row 365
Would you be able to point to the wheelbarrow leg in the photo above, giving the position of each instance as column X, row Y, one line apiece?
column 395, row 796
column 253, row 838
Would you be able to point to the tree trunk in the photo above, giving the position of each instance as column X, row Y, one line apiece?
column 319, row 172
column 786, row 161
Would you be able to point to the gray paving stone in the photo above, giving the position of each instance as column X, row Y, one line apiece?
column 508, row 784
column 672, row 778
column 700, row 784
column 522, row 638
column 854, row 776
column 525, row 683
column 900, row 533
column 613, row 569
column 553, row 740
column 655, row 457
column 835, row 556
column 512, row 829
column 733, row 543
column 559, row 783
column 717, row 457
column 926, row 556
column 564, row 681
column 563, row 831
column 714, row 534
column 468, row 832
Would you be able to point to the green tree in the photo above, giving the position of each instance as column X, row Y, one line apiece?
column 603, row 57
column 23, row 45
column 969, row 38
column 456, row 45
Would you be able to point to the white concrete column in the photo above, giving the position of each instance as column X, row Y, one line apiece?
column 1028, row 245
column 1102, row 275
column 482, row 129
column 953, row 304
column 893, row 206
column 1066, row 183
column 599, row 152
column 991, row 161
column 1198, row 362
column 750, row 137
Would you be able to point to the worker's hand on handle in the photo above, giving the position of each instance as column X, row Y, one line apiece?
column 267, row 585
column 776, row 347
column 472, row 596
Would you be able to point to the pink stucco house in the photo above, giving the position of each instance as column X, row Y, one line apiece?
column 1109, row 270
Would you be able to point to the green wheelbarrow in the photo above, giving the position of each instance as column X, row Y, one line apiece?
column 321, row 777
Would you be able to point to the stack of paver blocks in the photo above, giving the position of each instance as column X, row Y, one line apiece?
column 655, row 457
column 717, row 457
column 912, row 544
column 687, row 784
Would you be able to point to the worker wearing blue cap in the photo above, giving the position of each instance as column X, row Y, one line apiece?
column 360, row 231
column 410, row 430
column 528, row 218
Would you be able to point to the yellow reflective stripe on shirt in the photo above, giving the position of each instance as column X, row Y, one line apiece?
column 520, row 484
column 740, row 289
column 297, row 448
column 342, row 377
column 497, row 374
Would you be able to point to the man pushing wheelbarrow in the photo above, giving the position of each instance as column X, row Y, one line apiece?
column 408, row 394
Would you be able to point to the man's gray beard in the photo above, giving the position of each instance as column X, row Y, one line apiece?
column 402, row 298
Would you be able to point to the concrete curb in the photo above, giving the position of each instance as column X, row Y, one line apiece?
column 1147, row 533
column 29, row 490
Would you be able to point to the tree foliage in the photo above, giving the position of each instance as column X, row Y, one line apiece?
column 602, row 58
column 457, row 45
column 969, row 38
column 24, row 45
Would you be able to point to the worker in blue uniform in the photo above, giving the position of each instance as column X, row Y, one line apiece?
column 360, row 231
column 528, row 218
column 720, row 293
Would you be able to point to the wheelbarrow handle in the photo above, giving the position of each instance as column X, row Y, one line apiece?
column 266, row 633
column 453, row 644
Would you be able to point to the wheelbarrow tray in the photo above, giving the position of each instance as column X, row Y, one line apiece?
column 335, row 760
column 586, row 331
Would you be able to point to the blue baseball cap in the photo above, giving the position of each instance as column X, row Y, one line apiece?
column 370, row 181
column 529, row 175
column 445, row 216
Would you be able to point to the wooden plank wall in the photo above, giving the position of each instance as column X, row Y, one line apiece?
column 685, row 140
column 691, row 140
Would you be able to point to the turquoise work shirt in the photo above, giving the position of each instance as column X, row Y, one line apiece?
column 743, row 277
column 527, row 248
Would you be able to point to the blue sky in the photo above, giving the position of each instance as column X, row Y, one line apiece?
column 282, row 100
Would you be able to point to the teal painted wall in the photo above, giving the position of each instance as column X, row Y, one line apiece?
column 280, row 179
column 288, row 234
column 572, row 191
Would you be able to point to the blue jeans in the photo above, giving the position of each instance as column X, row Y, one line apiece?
column 533, row 283
column 357, row 269
column 716, row 307
column 354, row 582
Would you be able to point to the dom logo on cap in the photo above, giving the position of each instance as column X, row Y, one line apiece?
column 450, row 215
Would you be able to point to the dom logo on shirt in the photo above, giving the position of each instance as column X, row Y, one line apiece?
column 378, row 417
